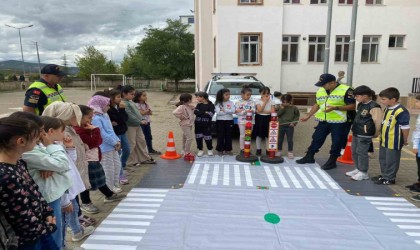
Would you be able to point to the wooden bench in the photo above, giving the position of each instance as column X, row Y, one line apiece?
column 303, row 98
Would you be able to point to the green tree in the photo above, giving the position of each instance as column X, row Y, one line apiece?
column 166, row 53
column 94, row 62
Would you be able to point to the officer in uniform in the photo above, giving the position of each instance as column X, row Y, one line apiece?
column 45, row 91
column 333, row 100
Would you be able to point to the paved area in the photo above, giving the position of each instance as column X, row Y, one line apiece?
column 163, row 121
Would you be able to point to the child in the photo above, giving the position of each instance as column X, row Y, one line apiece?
column 119, row 118
column 244, row 106
column 264, row 108
column 224, row 121
column 277, row 97
column 21, row 203
column 140, row 99
column 136, row 139
column 366, row 125
column 394, row 135
column 185, row 113
column 416, row 143
column 91, row 136
column 49, row 166
column 204, row 111
column 288, row 117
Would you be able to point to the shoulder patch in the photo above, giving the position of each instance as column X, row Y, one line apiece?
column 36, row 92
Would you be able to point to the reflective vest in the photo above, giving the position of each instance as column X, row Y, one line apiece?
column 52, row 94
column 334, row 99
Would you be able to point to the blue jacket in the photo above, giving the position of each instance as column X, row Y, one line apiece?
column 109, row 138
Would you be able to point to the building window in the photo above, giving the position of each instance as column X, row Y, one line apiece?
column 342, row 44
column 370, row 48
column 396, row 41
column 250, row 51
column 345, row 1
column 318, row 1
column 316, row 48
column 250, row 2
column 371, row 2
column 291, row 1
column 191, row 20
column 290, row 49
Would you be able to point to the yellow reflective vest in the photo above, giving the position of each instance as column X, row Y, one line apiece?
column 334, row 99
column 52, row 94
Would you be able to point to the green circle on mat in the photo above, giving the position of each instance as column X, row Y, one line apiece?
column 272, row 218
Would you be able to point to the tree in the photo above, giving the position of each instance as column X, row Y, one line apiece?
column 94, row 62
column 166, row 53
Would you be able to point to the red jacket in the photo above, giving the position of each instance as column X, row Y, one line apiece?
column 92, row 138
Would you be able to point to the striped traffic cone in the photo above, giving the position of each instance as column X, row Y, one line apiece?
column 170, row 153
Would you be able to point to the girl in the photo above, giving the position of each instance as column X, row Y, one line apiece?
column 224, row 121
column 264, row 108
column 140, row 99
column 110, row 142
column 21, row 203
column 288, row 117
column 204, row 111
column 138, row 147
column 244, row 106
column 49, row 167
column 91, row 136
column 185, row 113
column 119, row 118
column 366, row 125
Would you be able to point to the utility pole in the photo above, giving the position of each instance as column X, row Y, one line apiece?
column 20, row 40
column 350, row 64
column 328, row 37
column 39, row 61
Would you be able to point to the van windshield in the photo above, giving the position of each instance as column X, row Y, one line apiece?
column 235, row 87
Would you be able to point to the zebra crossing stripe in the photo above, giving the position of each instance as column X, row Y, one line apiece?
column 248, row 177
column 408, row 227
column 215, row 178
column 108, row 247
column 194, row 173
column 401, row 215
column 204, row 174
column 270, row 176
column 129, row 223
column 292, row 177
column 226, row 175
column 134, row 210
column 392, row 204
column 327, row 178
column 414, row 234
column 126, row 204
column 237, row 175
column 148, row 190
column 315, row 178
column 143, row 199
column 116, row 238
column 304, row 178
column 397, row 209
column 120, row 229
column 406, row 221
column 283, row 180
column 131, row 216
column 145, row 195
column 369, row 198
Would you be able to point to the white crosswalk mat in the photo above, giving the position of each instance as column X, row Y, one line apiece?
column 125, row 226
column 246, row 175
column 401, row 212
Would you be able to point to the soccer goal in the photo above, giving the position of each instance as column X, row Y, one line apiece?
column 94, row 79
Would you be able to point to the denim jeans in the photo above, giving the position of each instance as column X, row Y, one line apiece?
column 72, row 220
column 124, row 152
column 58, row 234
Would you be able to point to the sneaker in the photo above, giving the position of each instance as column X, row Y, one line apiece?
column 117, row 189
column 383, row 181
column 155, row 152
column 414, row 189
column 353, row 172
column 258, row 152
column 124, row 180
column 200, row 153
column 290, row 155
column 89, row 208
column 150, row 161
column 376, row 178
column 83, row 234
column 114, row 197
column 360, row 176
column 413, row 186
column 210, row 152
column 182, row 153
column 415, row 197
column 342, row 151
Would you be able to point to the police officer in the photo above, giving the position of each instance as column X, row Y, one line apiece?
column 45, row 91
column 333, row 100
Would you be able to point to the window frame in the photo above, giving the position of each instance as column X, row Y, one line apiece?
column 374, row 2
column 370, row 43
column 289, row 44
column 257, row 2
column 318, row 2
column 396, row 37
column 342, row 49
column 292, row 2
column 316, row 47
column 346, row 2
column 259, row 48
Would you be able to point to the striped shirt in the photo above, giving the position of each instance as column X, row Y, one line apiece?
column 394, row 120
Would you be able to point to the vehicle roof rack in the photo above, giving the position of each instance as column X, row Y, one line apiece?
column 217, row 76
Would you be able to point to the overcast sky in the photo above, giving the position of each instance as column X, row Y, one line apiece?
column 66, row 27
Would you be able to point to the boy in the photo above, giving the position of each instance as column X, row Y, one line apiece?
column 416, row 141
column 288, row 116
column 394, row 135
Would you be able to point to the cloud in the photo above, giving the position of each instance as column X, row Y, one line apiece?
column 66, row 27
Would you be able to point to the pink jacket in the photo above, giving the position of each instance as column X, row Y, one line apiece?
column 185, row 113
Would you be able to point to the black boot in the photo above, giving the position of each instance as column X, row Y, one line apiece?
column 308, row 158
column 331, row 163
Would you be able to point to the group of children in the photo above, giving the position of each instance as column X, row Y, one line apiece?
column 48, row 162
column 201, row 116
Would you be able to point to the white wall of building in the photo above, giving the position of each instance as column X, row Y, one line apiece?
column 395, row 67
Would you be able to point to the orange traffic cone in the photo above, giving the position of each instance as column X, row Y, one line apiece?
column 346, row 158
column 170, row 153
